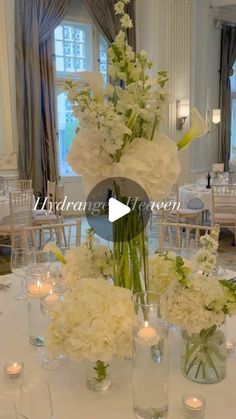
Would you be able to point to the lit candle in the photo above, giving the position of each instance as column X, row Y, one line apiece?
column 14, row 369
column 52, row 297
column 230, row 346
column 147, row 336
column 40, row 289
column 194, row 406
column 194, row 403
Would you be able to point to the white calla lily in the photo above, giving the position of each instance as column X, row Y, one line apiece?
column 52, row 247
column 198, row 129
column 95, row 81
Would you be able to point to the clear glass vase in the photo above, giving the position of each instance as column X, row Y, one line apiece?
column 130, row 250
column 98, row 376
column 204, row 355
column 150, row 359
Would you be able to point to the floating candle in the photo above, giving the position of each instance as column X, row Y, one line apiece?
column 147, row 336
column 52, row 297
column 147, row 332
column 39, row 289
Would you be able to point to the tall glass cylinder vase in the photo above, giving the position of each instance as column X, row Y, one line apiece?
column 37, row 288
column 150, row 359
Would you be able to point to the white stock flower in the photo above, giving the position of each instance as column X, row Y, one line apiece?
column 205, row 261
column 126, row 22
column 95, row 81
column 208, row 242
column 94, row 321
column 154, row 165
column 119, row 7
column 161, row 274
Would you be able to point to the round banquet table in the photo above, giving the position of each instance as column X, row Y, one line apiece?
column 72, row 399
column 189, row 192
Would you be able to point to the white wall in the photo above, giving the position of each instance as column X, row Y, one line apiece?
column 180, row 37
column 8, row 132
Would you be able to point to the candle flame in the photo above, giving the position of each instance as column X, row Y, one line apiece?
column 146, row 323
column 39, row 284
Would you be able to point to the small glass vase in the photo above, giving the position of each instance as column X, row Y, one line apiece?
column 98, row 376
column 204, row 355
column 150, row 359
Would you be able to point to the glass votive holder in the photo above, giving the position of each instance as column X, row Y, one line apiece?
column 194, row 406
column 13, row 371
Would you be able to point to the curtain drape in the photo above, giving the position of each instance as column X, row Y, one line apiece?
column 104, row 17
column 35, row 21
column 228, row 57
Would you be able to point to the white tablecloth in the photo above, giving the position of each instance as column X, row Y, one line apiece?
column 189, row 192
column 71, row 398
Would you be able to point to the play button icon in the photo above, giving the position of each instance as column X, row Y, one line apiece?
column 116, row 210
column 113, row 205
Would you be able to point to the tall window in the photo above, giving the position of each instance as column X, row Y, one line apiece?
column 77, row 47
column 233, row 117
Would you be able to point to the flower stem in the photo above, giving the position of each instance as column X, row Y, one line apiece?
column 101, row 371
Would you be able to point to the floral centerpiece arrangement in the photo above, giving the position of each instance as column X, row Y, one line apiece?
column 90, row 260
column 119, row 136
column 197, row 300
column 94, row 322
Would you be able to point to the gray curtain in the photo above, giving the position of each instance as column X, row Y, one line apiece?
column 35, row 21
column 228, row 57
column 104, row 17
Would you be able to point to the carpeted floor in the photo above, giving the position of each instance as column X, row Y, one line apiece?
column 227, row 252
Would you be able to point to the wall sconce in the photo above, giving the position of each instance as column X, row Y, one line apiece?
column 216, row 116
column 182, row 112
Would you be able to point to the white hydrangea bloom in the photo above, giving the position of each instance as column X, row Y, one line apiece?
column 198, row 307
column 94, row 322
column 154, row 165
column 81, row 262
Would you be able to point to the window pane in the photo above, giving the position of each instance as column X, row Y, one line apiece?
column 59, row 48
column 69, row 64
column 59, row 64
column 79, row 35
column 71, row 41
column 67, row 125
column 59, row 33
column 233, row 123
column 80, row 50
column 79, row 64
column 69, row 49
column 233, row 79
column 103, row 59
column 69, row 33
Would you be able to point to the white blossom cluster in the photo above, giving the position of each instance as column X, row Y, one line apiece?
column 198, row 306
column 94, row 321
column 82, row 262
column 205, row 258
